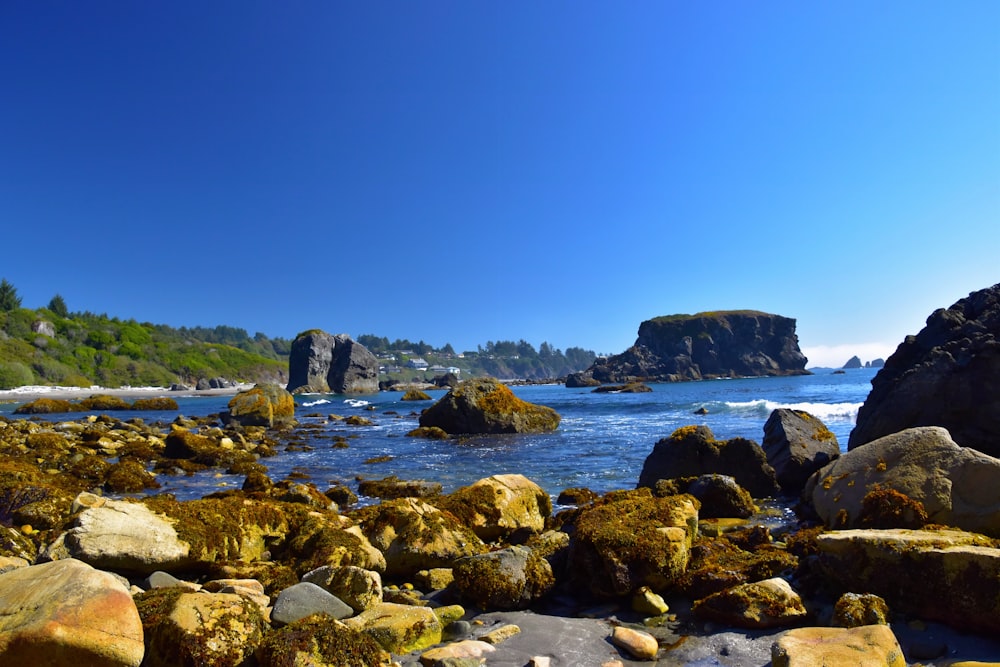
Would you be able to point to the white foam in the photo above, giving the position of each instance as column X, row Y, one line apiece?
column 356, row 402
column 822, row 411
column 321, row 401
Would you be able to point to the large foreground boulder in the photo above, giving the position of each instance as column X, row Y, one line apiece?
column 947, row 375
column 67, row 614
column 322, row 363
column 497, row 506
column 265, row 405
column 797, row 444
column 943, row 575
column 486, row 405
column 692, row 451
column 956, row 486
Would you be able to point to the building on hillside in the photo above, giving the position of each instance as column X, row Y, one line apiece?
column 416, row 362
column 444, row 370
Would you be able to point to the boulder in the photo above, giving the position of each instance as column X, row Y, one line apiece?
column 954, row 486
column 636, row 643
column 393, row 487
column 506, row 579
column 497, row 506
column 265, row 405
column 797, row 444
column 737, row 557
column 67, row 614
column 942, row 575
column 720, row 496
column 471, row 650
column 630, row 539
column 318, row 641
column 416, row 395
column 122, row 536
column 322, row 363
column 838, row 647
column 692, row 451
column 415, row 536
column 192, row 629
column 305, row 599
column 852, row 610
column 771, row 603
column 358, row 587
column 581, row 379
column 399, row 628
column 486, row 405
column 740, row 343
column 947, row 375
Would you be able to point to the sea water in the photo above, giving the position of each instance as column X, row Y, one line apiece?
column 601, row 443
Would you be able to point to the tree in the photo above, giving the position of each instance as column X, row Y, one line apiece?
column 9, row 300
column 58, row 306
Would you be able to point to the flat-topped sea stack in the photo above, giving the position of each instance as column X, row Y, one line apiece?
column 728, row 343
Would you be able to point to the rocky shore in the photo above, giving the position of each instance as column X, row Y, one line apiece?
column 894, row 558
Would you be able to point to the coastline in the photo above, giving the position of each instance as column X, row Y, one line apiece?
column 30, row 393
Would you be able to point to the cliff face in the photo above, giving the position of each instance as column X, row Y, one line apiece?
column 947, row 375
column 707, row 345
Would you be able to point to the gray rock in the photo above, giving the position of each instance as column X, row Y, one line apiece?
column 506, row 579
column 160, row 579
column 304, row 599
column 957, row 486
column 797, row 444
column 323, row 363
column 356, row 586
column 947, row 375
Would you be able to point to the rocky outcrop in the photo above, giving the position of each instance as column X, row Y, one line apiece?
column 322, row 363
column 486, row 405
column 673, row 348
column 692, row 451
column 511, row 578
column 265, row 405
column 497, row 506
column 955, row 486
column 944, row 575
column 947, row 375
column 797, row 444
column 853, row 362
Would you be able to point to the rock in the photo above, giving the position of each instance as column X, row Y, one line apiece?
column 399, row 628
column 323, row 363
column 469, row 648
column 501, row 634
column 485, row 405
column 122, row 536
column 429, row 432
column 648, row 603
column 947, row 375
column 694, row 347
column 415, row 536
column 720, row 496
column 67, row 614
column 305, row 599
column 318, row 641
column 838, row 647
column 954, row 486
column 797, row 445
column 581, row 379
column 638, row 644
column 771, row 603
column 853, row 610
column 393, row 487
column 193, row 629
column 161, row 579
column 497, row 506
column 692, row 451
column 944, row 575
column 155, row 403
column 506, row 579
column 629, row 539
column 356, row 586
column 265, row 405
column 416, row 395
column 737, row 557
column 202, row 385
column 853, row 362
column 630, row 388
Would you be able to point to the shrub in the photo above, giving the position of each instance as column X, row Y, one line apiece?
column 15, row 374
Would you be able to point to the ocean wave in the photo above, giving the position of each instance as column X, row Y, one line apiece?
column 356, row 402
column 822, row 411
column 321, row 401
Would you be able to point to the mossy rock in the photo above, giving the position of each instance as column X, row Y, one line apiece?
column 429, row 432
column 730, row 560
column 102, row 402
column 129, row 476
column 486, row 405
column 156, row 403
column 416, row 395
column 630, row 539
column 505, row 580
column 265, row 405
column 45, row 406
column 321, row 642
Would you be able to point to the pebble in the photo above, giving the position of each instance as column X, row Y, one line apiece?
column 640, row 645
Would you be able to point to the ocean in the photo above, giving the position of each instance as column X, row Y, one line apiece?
column 601, row 443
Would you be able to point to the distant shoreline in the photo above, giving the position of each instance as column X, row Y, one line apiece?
column 31, row 393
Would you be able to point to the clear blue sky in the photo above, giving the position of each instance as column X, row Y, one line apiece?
column 470, row 171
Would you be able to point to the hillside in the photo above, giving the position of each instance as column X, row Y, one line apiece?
column 84, row 349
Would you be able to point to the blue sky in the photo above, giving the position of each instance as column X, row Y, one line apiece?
column 470, row 171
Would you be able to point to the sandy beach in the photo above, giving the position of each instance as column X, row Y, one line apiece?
column 30, row 393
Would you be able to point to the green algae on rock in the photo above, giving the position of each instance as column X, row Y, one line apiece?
column 486, row 405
